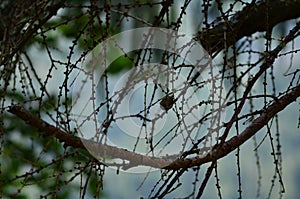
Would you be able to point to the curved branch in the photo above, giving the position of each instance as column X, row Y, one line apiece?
column 156, row 162
column 248, row 21
column 236, row 141
column 244, row 23
column 48, row 130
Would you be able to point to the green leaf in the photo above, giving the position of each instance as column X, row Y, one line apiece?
column 120, row 64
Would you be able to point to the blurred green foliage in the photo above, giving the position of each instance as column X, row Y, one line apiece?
column 120, row 64
column 39, row 164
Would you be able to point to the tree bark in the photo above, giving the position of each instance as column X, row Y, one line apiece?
column 251, row 19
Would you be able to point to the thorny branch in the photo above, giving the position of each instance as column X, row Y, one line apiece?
column 22, row 22
column 48, row 130
column 137, row 159
column 244, row 23
column 238, row 140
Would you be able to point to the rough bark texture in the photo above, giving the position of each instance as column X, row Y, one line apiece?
column 253, row 18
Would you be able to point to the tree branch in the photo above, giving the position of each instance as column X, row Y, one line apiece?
column 137, row 159
column 236, row 141
column 244, row 23
column 253, row 18
column 48, row 130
